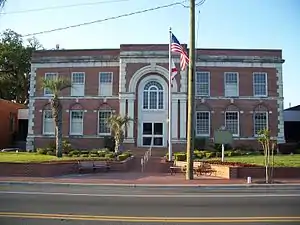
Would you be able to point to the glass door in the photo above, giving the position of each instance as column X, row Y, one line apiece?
column 152, row 132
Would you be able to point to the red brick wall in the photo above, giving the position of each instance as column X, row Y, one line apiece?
column 7, row 108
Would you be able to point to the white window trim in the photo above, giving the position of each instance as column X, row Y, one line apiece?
column 72, row 88
column 98, row 127
column 45, row 76
column 253, row 119
column 209, row 124
column 70, row 125
column 266, row 87
column 112, row 82
column 196, row 92
column 157, row 103
column 238, row 83
column 238, row 113
column 44, row 132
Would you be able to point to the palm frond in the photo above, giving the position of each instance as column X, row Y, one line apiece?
column 56, row 85
column 2, row 3
column 117, row 122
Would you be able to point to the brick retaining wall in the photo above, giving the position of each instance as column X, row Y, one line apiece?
column 52, row 169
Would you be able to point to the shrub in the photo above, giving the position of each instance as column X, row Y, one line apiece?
column 84, row 152
column 74, row 153
column 122, row 157
column 109, row 155
column 180, row 157
column 93, row 155
column 42, row 151
column 66, row 146
column 50, row 153
column 218, row 147
column 84, row 155
column 210, row 155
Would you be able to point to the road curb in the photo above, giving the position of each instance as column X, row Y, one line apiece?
column 133, row 185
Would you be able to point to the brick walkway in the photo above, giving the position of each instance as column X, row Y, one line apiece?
column 135, row 178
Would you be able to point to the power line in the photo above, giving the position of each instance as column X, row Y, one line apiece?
column 106, row 19
column 61, row 7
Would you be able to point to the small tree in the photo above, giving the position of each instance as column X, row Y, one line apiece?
column 56, row 86
column 268, row 147
column 117, row 123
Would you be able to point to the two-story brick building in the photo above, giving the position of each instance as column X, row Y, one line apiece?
column 239, row 89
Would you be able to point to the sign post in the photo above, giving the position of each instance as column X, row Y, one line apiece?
column 223, row 136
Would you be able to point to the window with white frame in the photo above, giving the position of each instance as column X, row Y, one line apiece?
column 202, row 123
column 103, row 126
column 49, row 76
column 231, row 84
column 260, row 85
column 105, row 83
column 76, row 122
column 48, row 123
column 153, row 96
column 202, row 84
column 78, row 81
column 260, row 121
column 232, row 122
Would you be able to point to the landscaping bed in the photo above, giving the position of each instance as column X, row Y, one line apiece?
column 244, row 164
column 44, row 164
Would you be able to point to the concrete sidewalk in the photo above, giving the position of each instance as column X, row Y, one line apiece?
column 137, row 179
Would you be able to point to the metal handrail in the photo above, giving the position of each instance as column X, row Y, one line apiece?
column 146, row 156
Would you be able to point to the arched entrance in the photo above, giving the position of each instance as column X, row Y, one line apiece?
column 152, row 111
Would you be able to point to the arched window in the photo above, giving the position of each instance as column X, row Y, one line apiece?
column 153, row 97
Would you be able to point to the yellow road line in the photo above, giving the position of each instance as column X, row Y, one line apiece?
column 151, row 219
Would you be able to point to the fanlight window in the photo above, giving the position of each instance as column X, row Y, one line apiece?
column 153, row 96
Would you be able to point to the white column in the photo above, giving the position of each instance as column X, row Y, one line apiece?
column 122, row 106
column 131, row 115
column 182, row 119
column 175, row 119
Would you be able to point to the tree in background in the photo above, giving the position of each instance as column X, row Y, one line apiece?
column 56, row 86
column 15, row 66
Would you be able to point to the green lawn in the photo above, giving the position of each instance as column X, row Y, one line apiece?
column 23, row 157
column 280, row 160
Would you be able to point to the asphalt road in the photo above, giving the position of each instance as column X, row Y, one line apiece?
column 51, row 204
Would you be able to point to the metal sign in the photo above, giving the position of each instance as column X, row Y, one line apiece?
column 223, row 136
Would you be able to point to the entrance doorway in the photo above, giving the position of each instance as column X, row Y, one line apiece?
column 153, row 132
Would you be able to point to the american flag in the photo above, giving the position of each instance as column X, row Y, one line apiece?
column 176, row 47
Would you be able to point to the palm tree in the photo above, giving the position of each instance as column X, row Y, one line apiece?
column 56, row 86
column 117, row 124
column 2, row 3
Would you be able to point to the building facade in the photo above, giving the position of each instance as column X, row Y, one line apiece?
column 239, row 89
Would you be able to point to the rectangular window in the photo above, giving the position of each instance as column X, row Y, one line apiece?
column 202, row 84
column 260, row 84
column 48, row 123
column 49, row 76
column 105, row 83
column 78, row 81
column 202, row 124
column 231, row 84
column 260, row 120
column 76, row 122
column 103, row 127
column 232, row 123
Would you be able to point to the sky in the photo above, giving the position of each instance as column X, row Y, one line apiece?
column 267, row 24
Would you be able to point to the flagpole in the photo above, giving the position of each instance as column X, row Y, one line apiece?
column 170, row 98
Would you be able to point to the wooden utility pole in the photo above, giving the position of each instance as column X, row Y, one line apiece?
column 191, row 96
